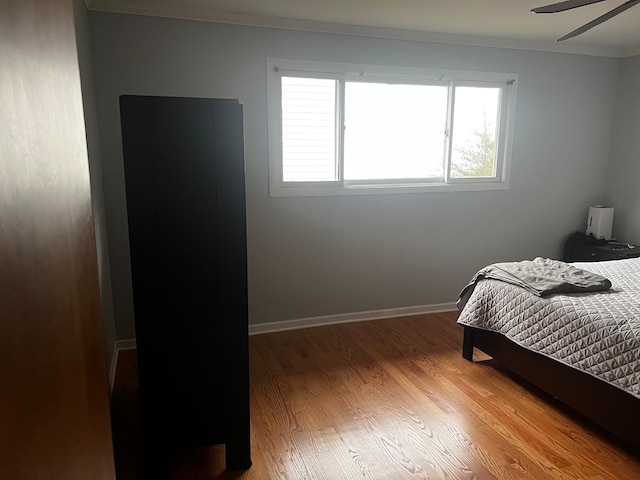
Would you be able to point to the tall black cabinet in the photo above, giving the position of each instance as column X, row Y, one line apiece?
column 184, row 176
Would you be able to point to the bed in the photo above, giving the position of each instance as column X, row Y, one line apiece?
column 581, row 348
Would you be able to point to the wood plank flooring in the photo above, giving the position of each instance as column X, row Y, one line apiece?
column 387, row 400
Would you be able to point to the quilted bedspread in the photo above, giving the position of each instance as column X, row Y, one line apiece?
column 596, row 332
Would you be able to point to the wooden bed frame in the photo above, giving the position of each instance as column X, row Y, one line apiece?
column 607, row 406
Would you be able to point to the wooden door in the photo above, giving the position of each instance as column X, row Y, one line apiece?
column 54, row 406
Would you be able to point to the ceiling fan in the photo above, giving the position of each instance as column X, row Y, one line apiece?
column 570, row 4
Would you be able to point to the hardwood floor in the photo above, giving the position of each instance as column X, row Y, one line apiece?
column 386, row 400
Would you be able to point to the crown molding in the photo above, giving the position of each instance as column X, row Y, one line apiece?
column 630, row 52
column 188, row 12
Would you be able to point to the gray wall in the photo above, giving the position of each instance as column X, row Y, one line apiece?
column 95, row 169
column 320, row 256
column 624, row 174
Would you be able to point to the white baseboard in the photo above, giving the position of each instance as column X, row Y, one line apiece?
column 126, row 344
column 349, row 317
column 130, row 343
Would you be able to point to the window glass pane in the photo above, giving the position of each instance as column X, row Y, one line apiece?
column 308, row 129
column 475, row 120
column 394, row 131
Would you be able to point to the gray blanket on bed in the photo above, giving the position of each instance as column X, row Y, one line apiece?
column 541, row 276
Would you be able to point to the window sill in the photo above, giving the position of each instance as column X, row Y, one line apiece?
column 382, row 189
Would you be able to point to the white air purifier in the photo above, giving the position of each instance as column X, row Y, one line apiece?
column 600, row 222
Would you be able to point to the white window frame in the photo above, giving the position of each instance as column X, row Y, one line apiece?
column 276, row 68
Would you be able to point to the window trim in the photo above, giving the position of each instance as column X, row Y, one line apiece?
column 276, row 68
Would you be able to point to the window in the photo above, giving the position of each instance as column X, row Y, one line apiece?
column 338, row 129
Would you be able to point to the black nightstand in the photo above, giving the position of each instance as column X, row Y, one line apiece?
column 585, row 248
column 612, row 251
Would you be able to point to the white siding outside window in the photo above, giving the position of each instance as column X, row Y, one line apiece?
column 308, row 129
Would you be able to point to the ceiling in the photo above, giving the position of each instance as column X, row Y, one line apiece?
column 501, row 23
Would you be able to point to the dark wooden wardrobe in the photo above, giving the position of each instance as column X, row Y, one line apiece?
column 184, row 176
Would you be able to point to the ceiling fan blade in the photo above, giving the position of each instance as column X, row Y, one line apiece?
column 600, row 19
column 562, row 6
